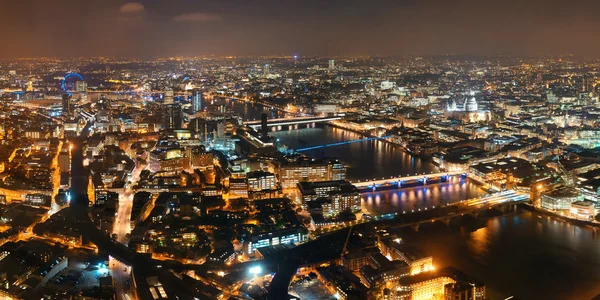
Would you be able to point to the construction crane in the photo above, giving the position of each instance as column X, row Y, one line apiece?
column 567, row 176
column 346, row 242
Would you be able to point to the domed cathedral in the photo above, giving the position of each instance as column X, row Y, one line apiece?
column 469, row 111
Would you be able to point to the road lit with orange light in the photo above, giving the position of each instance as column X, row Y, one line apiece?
column 121, row 228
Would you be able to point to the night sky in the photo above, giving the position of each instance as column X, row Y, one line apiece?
column 305, row 27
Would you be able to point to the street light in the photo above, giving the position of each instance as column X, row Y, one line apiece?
column 255, row 270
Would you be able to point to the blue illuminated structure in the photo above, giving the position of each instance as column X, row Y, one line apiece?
column 341, row 143
column 63, row 86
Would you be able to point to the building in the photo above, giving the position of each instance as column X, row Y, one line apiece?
column 415, row 257
column 331, row 64
column 66, row 105
column 168, row 160
column 464, row 290
column 64, row 160
column 201, row 159
column 582, row 210
column 310, row 170
column 355, row 260
column 469, row 111
column 275, row 237
column 196, row 101
column 81, row 86
column 336, row 202
column 172, row 116
column 561, row 198
column 342, row 283
column 238, row 188
column 432, row 285
column 261, row 183
column 311, row 191
column 168, row 96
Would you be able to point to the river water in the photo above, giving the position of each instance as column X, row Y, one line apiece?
column 519, row 254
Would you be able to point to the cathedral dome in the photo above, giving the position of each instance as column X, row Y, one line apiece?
column 471, row 104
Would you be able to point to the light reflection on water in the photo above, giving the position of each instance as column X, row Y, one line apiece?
column 407, row 199
column 520, row 254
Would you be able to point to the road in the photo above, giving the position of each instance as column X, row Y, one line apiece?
column 122, row 227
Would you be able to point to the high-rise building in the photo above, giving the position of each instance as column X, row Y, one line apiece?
column 331, row 64
column 172, row 116
column 196, row 101
column 81, row 86
column 267, row 69
column 264, row 129
column 168, row 96
column 66, row 104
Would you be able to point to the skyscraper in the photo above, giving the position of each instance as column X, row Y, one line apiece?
column 267, row 69
column 168, row 96
column 172, row 116
column 264, row 130
column 66, row 104
column 81, row 86
column 331, row 64
column 196, row 101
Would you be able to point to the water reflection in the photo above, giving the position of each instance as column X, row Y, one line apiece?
column 407, row 199
column 365, row 160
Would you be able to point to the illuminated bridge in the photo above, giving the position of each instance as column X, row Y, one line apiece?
column 397, row 181
column 341, row 143
column 471, row 207
column 291, row 121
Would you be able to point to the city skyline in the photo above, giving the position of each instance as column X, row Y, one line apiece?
column 305, row 28
column 288, row 149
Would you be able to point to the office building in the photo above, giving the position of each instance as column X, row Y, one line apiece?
column 561, row 198
column 310, row 170
column 172, row 116
column 168, row 160
column 311, row 191
column 331, row 64
column 168, row 96
column 81, row 86
column 196, row 101
column 264, row 127
column 275, row 237
column 66, row 105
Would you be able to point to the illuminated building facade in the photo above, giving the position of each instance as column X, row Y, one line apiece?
column 169, row 160
column 310, row 170
column 276, row 237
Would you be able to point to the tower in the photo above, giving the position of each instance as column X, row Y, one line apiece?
column 331, row 64
column 168, row 96
column 66, row 104
column 264, row 130
column 196, row 101
column 172, row 117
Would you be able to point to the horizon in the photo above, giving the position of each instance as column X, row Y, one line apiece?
column 151, row 28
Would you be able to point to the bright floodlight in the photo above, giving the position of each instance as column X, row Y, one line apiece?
column 255, row 270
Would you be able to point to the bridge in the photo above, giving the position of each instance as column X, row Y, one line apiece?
column 341, row 143
column 291, row 121
column 471, row 207
column 400, row 179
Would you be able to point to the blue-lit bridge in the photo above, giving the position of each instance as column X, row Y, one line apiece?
column 375, row 183
column 291, row 121
column 341, row 143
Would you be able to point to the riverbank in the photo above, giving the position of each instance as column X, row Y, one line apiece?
column 386, row 140
column 532, row 208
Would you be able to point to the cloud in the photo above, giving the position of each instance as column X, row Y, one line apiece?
column 132, row 8
column 197, row 18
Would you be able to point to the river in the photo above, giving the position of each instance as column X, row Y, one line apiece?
column 520, row 254
column 517, row 254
